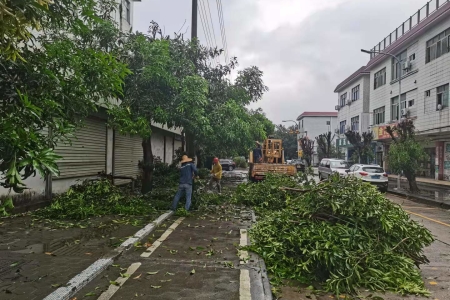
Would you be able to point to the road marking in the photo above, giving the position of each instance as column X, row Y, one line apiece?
column 243, row 255
column 244, row 286
column 430, row 219
column 87, row 275
column 163, row 237
column 113, row 288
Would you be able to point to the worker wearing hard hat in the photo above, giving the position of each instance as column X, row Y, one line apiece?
column 216, row 174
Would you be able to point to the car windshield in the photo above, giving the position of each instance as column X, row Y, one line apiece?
column 373, row 170
column 339, row 164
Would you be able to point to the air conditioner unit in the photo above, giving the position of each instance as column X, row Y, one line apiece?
column 404, row 112
column 349, row 102
column 337, row 107
column 407, row 65
column 439, row 107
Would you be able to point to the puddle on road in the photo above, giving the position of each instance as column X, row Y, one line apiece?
column 440, row 195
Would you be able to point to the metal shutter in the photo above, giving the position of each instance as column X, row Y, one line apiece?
column 127, row 154
column 169, row 149
column 86, row 155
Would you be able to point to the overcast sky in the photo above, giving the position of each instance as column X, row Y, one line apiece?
column 304, row 47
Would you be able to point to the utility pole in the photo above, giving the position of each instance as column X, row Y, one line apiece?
column 194, row 19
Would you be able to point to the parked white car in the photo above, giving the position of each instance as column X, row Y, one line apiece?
column 373, row 174
column 329, row 166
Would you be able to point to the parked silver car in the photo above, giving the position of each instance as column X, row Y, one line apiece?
column 328, row 166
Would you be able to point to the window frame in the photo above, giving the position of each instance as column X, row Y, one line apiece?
column 437, row 46
column 379, row 76
column 343, row 99
column 379, row 115
column 394, row 106
column 355, row 92
column 396, row 66
column 354, row 121
column 444, row 100
column 128, row 11
column 342, row 126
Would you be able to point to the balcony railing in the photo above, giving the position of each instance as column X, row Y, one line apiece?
column 422, row 14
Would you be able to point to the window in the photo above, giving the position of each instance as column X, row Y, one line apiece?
column 302, row 123
column 411, row 103
column 342, row 126
column 355, row 93
column 412, row 57
column 427, row 93
column 380, row 78
column 442, row 96
column 397, row 67
column 378, row 116
column 328, row 123
column 128, row 11
column 438, row 46
column 394, row 106
column 355, row 123
column 343, row 99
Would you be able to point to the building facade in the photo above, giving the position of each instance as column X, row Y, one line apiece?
column 313, row 124
column 353, row 109
column 412, row 64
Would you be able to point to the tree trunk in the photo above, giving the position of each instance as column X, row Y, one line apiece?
column 413, row 188
column 147, row 166
column 199, row 159
column 190, row 147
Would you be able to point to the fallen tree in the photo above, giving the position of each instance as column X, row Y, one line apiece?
column 342, row 234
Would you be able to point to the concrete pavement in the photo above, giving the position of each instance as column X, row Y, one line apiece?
column 196, row 259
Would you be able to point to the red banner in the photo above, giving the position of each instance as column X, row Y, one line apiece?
column 380, row 132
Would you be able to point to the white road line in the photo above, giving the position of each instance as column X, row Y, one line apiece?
column 244, row 286
column 113, row 288
column 163, row 237
column 87, row 275
column 243, row 255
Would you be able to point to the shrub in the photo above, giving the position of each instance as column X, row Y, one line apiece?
column 241, row 162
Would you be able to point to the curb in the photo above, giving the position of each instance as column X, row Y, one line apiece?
column 266, row 287
column 88, row 274
column 421, row 200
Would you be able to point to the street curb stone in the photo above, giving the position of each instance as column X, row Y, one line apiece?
column 88, row 274
column 421, row 200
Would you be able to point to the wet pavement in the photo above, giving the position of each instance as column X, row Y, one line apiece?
column 430, row 193
column 436, row 274
column 197, row 260
column 38, row 256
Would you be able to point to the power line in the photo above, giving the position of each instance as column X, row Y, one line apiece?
column 205, row 24
column 212, row 24
column 222, row 29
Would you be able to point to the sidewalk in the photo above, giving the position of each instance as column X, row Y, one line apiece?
column 432, row 192
column 189, row 258
column 39, row 256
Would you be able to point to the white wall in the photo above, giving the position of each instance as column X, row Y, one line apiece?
column 423, row 77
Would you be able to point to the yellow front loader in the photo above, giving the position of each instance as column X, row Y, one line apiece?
column 272, row 161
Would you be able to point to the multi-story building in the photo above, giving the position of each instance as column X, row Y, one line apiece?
column 313, row 124
column 353, row 108
column 411, row 64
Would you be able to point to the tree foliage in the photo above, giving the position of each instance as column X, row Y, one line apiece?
column 289, row 138
column 362, row 144
column 67, row 70
column 174, row 83
column 326, row 147
column 405, row 153
column 342, row 234
column 307, row 147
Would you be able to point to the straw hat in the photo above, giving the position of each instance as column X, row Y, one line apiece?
column 258, row 143
column 185, row 159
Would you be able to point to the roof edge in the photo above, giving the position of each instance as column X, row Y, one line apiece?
column 356, row 75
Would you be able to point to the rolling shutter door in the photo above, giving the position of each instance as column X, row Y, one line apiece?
column 86, row 155
column 127, row 154
column 169, row 149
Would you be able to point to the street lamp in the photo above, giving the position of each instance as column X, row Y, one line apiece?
column 397, row 58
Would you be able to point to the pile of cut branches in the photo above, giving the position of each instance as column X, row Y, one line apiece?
column 95, row 198
column 341, row 234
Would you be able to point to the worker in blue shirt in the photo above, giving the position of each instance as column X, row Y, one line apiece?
column 187, row 173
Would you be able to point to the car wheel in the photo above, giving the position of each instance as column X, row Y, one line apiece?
column 230, row 168
column 320, row 177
